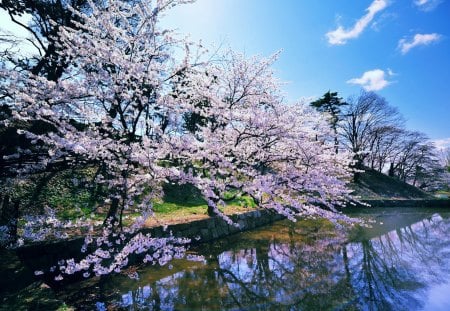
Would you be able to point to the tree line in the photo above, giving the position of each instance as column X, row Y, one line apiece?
column 375, row 133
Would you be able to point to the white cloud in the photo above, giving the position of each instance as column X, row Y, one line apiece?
column 418, row 39
column 442, row 143
column 341, row 36
column 372, row 80
column 427, row 5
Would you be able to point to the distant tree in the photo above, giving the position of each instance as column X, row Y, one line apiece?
column 445, row 161
column 416, row 161
column 331, row 104
column 383, row 145
column 366, row 120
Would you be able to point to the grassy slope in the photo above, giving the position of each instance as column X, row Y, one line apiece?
column 185, row 202
column 375, row 185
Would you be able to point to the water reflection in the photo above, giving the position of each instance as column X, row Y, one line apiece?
column 396, row 265
column 395, row 269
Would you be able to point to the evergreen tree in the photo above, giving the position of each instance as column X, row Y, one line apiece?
column 330, row 103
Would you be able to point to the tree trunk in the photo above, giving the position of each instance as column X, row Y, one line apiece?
column 211, row 211
column 336, row 144
column 9, row 218
column 391, row 170
column 111, row 217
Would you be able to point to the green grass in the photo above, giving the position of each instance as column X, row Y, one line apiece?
column 74, row 213
column 59, row 191
column 244, row 201
column 447, row 192
column 65, row 307
column 184, row 202
column 189, row 198
column 164, row 207
column 444, row 194
column 168, row 208
column 375, row 185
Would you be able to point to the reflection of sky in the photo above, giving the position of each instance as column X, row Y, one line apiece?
column 405, row 263
column 240, row 263
column 167, row 291
column 438, row 298
column 285, row 272
column 402, row 269
column 279, row 259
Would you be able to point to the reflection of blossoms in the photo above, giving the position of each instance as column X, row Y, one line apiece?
column 195, row 257
column 110, row 257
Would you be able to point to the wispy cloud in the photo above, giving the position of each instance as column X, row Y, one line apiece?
column 419, row 39
column 391, row 72
column 340, row 35
column 381, row 21
column 372, row 80
column 427, row 5
column 442, row 143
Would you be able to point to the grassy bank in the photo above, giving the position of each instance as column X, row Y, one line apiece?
column 373, row 185
column 183, row 203
column 64, row 193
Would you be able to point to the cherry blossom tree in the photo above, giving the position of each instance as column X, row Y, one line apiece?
column 111, row 109
column 123, row 104
column 252, row 143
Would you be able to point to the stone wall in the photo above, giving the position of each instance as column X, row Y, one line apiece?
column 209, row 229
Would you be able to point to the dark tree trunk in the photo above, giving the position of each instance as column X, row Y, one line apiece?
column 9, row 218
column 336, row 144
column 356, row 177
column 111, row 217
column 211, row 211
column 391, row 170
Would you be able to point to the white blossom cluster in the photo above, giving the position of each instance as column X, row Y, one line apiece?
column 112, row 251
column 48, row 225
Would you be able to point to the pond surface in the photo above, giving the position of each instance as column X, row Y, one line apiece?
column 401, row 263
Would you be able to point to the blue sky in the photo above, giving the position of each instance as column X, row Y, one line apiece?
column 399, row 48
column 403, row 46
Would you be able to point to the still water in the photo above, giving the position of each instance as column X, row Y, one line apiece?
column 401, row 263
